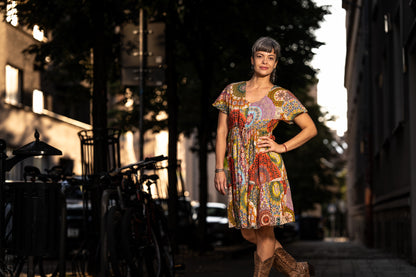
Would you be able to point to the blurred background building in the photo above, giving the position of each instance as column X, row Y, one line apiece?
column 28, row 102
column 380, row 78
column 25, row 105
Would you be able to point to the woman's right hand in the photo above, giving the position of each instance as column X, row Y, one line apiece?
column 221, row 182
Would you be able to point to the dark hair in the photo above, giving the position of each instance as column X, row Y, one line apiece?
column 266, row 44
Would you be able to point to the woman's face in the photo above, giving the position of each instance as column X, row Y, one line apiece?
column 264, row 62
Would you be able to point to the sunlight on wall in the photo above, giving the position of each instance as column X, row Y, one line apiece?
column 161, row 148
column 183, row 148
column 162, row 141
column 131, row 156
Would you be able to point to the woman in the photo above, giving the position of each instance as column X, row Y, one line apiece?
column 258, row 190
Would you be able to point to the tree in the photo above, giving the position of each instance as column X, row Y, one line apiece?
column 215, row 47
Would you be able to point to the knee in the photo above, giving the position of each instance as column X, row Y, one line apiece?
column 249, row 235
column 265, row 234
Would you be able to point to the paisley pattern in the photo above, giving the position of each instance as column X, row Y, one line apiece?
column 258, row 188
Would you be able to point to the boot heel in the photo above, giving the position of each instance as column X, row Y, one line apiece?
column 286, row 264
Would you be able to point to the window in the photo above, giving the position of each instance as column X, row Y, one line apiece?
column 37, row 101
column 13, row 85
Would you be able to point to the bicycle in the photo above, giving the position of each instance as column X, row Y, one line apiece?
column 137, row 233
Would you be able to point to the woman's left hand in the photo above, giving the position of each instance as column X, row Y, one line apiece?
column 269, row 145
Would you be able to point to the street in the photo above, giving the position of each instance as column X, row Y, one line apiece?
column 331, row 258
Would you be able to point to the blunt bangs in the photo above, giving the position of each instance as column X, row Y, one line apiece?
column 266, row 44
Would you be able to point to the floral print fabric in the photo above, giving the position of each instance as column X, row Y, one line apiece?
column 258, row 188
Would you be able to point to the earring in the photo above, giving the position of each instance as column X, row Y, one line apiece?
column 273, row 76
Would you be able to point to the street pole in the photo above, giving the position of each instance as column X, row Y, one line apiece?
column 141, row 83
column 3, row 157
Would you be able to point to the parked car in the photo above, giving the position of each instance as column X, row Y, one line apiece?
column 287, row 232
column 75, row 214
column 218, row 231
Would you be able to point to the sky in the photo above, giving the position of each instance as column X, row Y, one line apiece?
column 330, row 60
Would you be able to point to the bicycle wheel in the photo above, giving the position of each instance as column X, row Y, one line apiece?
column 117, row 263
column 140, row 246
column 165, row 243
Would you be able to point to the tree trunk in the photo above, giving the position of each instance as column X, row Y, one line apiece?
column 99, row 122
column 172, row 120
column 203, row 153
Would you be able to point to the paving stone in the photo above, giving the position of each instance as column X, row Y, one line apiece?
column 330, row 259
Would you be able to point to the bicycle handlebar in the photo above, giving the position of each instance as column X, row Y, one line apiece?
column 156, row 158
column 139, row 165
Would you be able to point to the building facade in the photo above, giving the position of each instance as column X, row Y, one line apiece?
column 380, row 73
column 25, row 106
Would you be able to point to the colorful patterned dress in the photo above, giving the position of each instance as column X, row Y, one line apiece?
column 258, row 188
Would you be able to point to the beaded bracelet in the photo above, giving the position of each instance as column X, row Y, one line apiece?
column 284, row 145
column 217, row 170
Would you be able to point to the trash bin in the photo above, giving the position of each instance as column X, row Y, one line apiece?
column 89, row 139
column 36, row 218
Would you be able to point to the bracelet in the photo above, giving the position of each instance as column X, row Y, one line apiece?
column 284, row 145
column 217, row 170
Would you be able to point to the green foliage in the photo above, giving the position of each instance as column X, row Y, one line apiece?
column 127, row 118
column 314, row 168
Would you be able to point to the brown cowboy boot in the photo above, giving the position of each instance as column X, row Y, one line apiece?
column 286, row 264
column 262, row 269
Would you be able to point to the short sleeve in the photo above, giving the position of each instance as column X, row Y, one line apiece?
column 291, row 107
column 222, row 102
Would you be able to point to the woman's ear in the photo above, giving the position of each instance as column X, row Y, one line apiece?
column 252, row 60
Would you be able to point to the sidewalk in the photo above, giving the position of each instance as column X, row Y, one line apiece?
column 330, row 259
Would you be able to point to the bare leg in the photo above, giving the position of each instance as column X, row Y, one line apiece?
column 265, row 242
column 250, row 235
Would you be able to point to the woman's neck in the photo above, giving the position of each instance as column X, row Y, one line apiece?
column 259, row 82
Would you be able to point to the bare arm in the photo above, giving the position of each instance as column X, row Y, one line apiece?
column 308, row 131
column 220, row 148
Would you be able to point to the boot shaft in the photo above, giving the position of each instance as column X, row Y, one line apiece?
column 262, row 268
